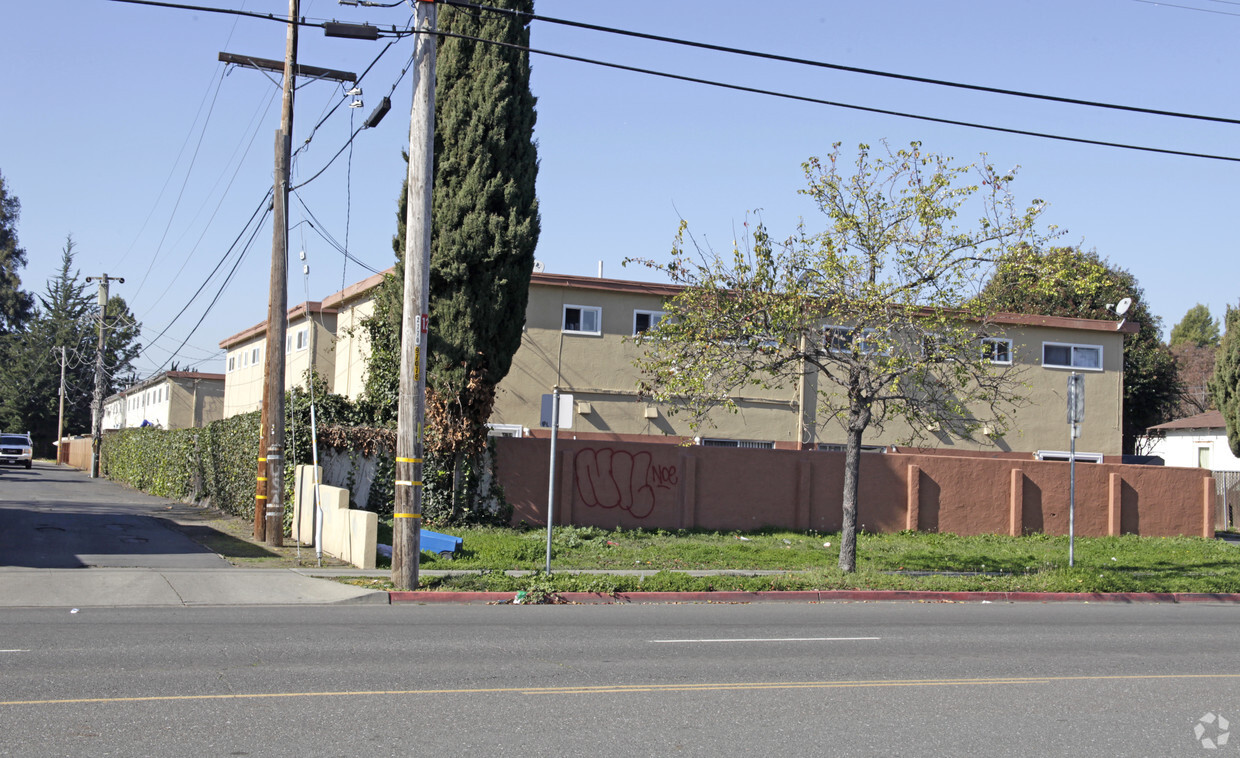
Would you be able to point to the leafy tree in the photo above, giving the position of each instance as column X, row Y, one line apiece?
column 1225, row 386
column 1197, row 327
column 1194, row 365
column 484, row 229
column 67, row 316
column 881, row 307
column 15, row 304
column 1067, row 281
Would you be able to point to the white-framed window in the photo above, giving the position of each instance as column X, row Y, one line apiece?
column 753, row 444
column 288, row 344
column 1064, row 455
column 997, row 350
column 1067, row 355
column 834, row 448
column 232, row 362
column 245, row 358
column 583, row 319
column 255, row 355
column 839, row 339
column 644, row 321
column 505, row 430
column 303, row 338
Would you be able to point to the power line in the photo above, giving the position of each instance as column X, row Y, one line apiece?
column 802, row 98
column 185, row 183
column 159, row 195
column 519, row 15
column 1187, row 7
column 220, row 292
column 328, row 238
column 849, row 106
column 263, row 207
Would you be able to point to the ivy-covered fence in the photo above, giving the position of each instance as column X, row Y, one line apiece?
column 216, row 464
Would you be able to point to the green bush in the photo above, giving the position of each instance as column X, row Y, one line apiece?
column 215, row 463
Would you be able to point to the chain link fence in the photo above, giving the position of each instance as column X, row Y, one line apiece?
column 1227, row 485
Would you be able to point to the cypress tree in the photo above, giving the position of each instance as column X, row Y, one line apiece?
column 484, row 230
column 1225, row 385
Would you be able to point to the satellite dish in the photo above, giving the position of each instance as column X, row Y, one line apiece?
column 1121, row 307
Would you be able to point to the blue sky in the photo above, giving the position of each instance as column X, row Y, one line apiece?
column 103, row 136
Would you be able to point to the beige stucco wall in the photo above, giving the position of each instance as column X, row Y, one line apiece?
column 599, row 370
column 243, row 391
column 243, row 386
column 194, row 402
column 352, row 347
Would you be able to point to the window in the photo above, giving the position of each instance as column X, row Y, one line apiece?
column 1063, row 355
column 708, row 442
column 1203, row 457
column 288, row 344
column 255, row 355
column 997, row 350
column 839, row 339
column 1064, row 455
column 583, row 319
column 303, row 338
column 504, row 430
column 644, row 321
column 232, row 362
column 245, row 358
column 833, row 448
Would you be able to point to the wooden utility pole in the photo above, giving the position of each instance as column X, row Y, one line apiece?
column 411, row 409
column 277, row 304
column 96, row 442
column 272, row 510
column 60, row 420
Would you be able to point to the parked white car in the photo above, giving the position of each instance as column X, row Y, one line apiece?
column 16, row 449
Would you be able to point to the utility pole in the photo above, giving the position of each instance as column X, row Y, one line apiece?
column 277, row 304
column 97, row 406
column 60, row 421
column 411, row 408
column 269, row 490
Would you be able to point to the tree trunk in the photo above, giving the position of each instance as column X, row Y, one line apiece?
column 848, row 530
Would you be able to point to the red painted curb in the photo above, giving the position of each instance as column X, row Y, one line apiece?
column 817, row 596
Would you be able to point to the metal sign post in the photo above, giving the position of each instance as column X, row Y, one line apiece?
column 1076, row 415
column 555, row 428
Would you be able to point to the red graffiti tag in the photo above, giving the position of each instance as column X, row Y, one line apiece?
column 609, row 478
column 664, row 476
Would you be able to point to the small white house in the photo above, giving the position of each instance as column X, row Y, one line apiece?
column 1195, row 442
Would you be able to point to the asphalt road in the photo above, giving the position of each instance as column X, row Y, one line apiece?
column 702, row 680
column 53, row 517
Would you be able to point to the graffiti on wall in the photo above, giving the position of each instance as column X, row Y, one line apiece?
column 608, row 478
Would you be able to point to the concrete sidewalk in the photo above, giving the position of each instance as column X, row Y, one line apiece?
column 146, row 587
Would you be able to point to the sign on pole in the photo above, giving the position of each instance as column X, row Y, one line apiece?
column 565, row 415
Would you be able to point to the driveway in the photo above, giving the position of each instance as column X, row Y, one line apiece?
column 67, row 540
column 54, row 517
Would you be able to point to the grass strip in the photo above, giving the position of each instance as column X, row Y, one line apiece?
column 807, row 560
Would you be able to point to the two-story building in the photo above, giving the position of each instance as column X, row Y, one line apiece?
column 578, row 336
column 171, row 400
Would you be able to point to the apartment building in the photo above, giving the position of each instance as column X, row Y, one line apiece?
column 171, row 400
column 579, row 336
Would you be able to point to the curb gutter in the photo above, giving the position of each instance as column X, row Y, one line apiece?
column 826, row 596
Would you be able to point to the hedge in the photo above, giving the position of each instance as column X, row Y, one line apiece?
column 215, row 463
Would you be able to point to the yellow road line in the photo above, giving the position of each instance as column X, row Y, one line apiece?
column 631, row 688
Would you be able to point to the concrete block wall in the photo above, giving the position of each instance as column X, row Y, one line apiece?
column 349, row 535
